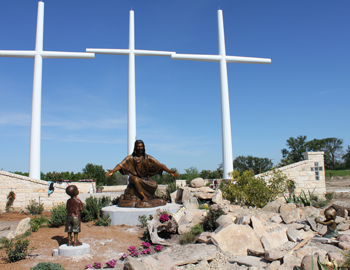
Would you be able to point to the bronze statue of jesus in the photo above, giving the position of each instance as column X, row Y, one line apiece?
column 141, row 188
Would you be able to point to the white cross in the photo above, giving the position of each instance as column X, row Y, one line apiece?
column 38, row 54
column 131, row 91
column 225, row 103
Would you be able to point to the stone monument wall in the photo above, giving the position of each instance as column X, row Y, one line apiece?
column 308, row 175
column 27, row 189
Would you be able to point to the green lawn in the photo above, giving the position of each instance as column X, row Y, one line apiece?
column 337, row 173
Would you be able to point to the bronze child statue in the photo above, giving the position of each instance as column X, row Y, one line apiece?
column 332, row 231
column 74, row 207
column 141, row 188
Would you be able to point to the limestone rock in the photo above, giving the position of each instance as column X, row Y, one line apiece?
column 236, row 239
column 184, row 228
column 192, row 203
column 205, row 237
column 306, row 263
column 302, row 252
column 287, row 207
column 164, row 263
column 293, row 235
column 274, row 206
column 342, row 213
column 192, row 253
column 289, row 261
column 223, row 220
column 250, row 261
column 274, row 254
column 202, row 265
column 217, row 198
column 291, row 216
column 273, row 266
column 23, row 226
column 310, row 211
column 277, row 238
column 344, row 238
column 343, row 226
column 276, row 219
column 197, row 183
column 312, row 223
column 258, row 227
column 344, row 245
column 337, row 257
column 341, row 205
column 243, row 219
column 133, row 264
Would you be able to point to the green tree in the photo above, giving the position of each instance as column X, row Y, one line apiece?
column 95, row 172
column 254, row 164
column 333, row 146
column 191, row 173
column 346, row 157
column 297, row 146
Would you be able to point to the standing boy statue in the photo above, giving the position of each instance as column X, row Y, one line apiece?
column 74, row 207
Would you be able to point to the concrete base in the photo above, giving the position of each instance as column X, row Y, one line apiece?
column 130, row 216
column 71, row 251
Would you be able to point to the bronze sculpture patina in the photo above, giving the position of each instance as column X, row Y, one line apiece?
column 332, row 232
column 74, row 207
column 141, row 188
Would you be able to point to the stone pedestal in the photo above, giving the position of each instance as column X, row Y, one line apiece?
column 130, row 216
column 71, row 251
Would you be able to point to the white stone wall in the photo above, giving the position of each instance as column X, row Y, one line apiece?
column 308, row 175
column 27, row 189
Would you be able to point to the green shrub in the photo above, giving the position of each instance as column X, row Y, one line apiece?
column 146, row 236
column 188, row 238
column 143, row 219
column 252, row 191
column 48, row 266
column 197, row 229
column 37, row 222
column 58, row 215
column 104, row 221
column 210, row 219
column 34, row 207
column 104, row 201
column 329, row 196
column 92, row 208
column 15, row 251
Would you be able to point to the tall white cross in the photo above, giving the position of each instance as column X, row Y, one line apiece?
column 223, row 59
column 131, row 91
column 38, row 54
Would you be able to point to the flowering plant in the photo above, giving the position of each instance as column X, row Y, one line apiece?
column 146, row 244
column 163, row 218
column 146, row 251
column 111, row 264
column 10, row 199
column 134, row 254
column 123, row 257
column 158, row 248
column 88, row 266
column 97, row 265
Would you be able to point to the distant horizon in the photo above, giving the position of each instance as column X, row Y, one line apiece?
column 304, row 91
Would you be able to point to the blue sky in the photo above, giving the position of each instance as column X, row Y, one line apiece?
column 304, row 91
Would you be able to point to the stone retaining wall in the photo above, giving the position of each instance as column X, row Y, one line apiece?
column 308, row 175
column 27, row 189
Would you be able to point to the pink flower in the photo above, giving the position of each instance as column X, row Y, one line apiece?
column 146, row 244
column 158, row 248
column 132, row 248
column 163, row 218
column 88, row 266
